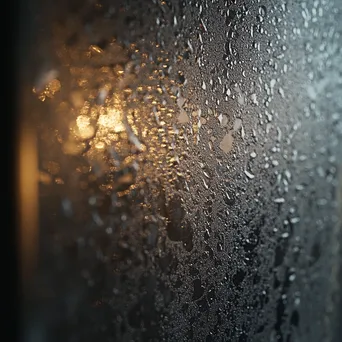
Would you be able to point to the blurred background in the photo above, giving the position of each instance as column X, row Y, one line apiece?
column 178, row 170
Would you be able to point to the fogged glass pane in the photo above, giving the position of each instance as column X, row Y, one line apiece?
column 188, row 159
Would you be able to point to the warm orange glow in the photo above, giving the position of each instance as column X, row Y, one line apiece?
column 52, row 87
column 85, row 129
column 100, row 145
column 28, row 200
column 111, row 121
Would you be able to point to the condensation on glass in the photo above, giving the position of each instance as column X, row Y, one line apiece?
column 188, row 167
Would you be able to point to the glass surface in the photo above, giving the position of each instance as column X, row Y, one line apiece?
column 189, row 157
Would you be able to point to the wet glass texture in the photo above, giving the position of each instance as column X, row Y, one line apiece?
column 189, row 156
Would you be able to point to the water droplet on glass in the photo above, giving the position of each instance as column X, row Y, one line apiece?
column 249, row 175
column 285, row 235
column 294, row 220
column 237, row 124
column 183, row 117
column 226, row 143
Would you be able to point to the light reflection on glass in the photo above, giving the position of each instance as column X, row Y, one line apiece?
column 111, row 121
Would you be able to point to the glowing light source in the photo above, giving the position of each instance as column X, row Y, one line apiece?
column 85, row 129
column 100, row 145
column 28, row 199
column 111, row 121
